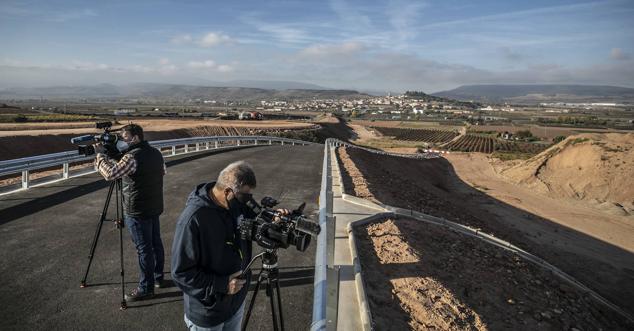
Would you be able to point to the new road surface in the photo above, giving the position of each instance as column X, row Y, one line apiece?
column 45, row 236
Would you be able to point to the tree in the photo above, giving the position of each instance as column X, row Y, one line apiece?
column 20, row 118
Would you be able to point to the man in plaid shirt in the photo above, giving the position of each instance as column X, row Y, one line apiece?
column 141, row 170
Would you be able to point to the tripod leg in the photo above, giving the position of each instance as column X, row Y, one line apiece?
column 279, row 302
column 270, row 293
column 255, row 293
column 95, row 239
column 120, row 226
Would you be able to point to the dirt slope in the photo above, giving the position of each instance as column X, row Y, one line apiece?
column 425, row 277
column 598, row 168
column 598, row 253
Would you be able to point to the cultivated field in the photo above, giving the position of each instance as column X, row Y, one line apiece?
column 432, row 136
column 21, row 129
column 487, row 144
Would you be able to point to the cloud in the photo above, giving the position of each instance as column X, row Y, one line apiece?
column 83, row 65
column 225, row 68
column 182, row 39
column 164, row 61
column 397, row 71
column 210, row 39
column 403, row 15
column 510, row 55
column 22, row 10
column 213, row 39
column 324, row 50
column 618, row 54
column 211, row 65
column 72, row 15
column 202, row 64
column 350, row 15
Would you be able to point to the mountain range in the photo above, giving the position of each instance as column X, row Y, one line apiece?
column 540, row 93
column 177, row 92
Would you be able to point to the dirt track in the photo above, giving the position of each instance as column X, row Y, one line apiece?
column 433, row 187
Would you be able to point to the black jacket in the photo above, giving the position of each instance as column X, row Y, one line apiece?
column 206, row 250
column 143, row 190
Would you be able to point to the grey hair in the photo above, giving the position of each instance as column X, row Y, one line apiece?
column 236, row 175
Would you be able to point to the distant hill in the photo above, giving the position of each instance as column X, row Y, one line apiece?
column 173, row 92
column 540, row 93
column 422, row 96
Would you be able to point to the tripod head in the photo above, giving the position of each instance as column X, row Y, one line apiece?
column 269, row 261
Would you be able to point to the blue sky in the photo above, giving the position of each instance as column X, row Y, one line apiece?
column 388, row 45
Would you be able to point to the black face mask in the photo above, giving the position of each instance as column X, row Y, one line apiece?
column 243, row 197
column 238, row 203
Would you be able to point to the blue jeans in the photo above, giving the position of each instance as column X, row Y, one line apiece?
column 146, row 236
column 232, row 324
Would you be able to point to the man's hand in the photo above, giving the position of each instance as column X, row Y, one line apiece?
column 282, row 212
column 235, row 283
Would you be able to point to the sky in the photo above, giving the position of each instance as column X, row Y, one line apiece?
column 365, row 45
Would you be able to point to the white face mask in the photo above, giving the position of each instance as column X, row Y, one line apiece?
column 122, row 146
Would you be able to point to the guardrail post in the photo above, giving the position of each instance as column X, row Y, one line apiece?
column 270, row 142
column 216, row 144
column 332, row 297
column 207, row 145
column 173, row 150
column 282, row 142
column 65, row 171
column 255, row 142
column 186, row 148
column 197, row 147
column 330, row 231
column 293, row 143
column 238, row 142
column 25, row 179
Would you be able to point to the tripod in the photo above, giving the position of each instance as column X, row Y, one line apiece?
column 117, row 187
column 270, row 273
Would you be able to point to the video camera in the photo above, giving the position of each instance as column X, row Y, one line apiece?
column 272, row 230
column 107, row 139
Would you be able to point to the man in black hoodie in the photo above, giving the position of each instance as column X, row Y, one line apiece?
column 208, row 254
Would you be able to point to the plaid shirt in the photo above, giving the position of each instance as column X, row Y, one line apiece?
column 111, row 170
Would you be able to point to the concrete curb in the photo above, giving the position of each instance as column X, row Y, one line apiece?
column 362, row 202
column 364, row 306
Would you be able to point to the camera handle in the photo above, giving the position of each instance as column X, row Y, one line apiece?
column 117, row 187
column 270, row 273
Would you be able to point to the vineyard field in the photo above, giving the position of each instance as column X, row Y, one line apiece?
column 432, row 136
column 485, row 144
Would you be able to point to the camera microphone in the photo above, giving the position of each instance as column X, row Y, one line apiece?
column 81, row 139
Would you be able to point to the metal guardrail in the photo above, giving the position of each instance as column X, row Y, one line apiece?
column 427, row 154
column 64, row 159
column 321, row 260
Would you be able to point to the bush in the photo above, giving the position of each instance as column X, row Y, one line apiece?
column 523, row 134
column 20, row 118
column 558, row 139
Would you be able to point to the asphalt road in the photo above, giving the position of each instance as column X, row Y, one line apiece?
column 45, row 236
